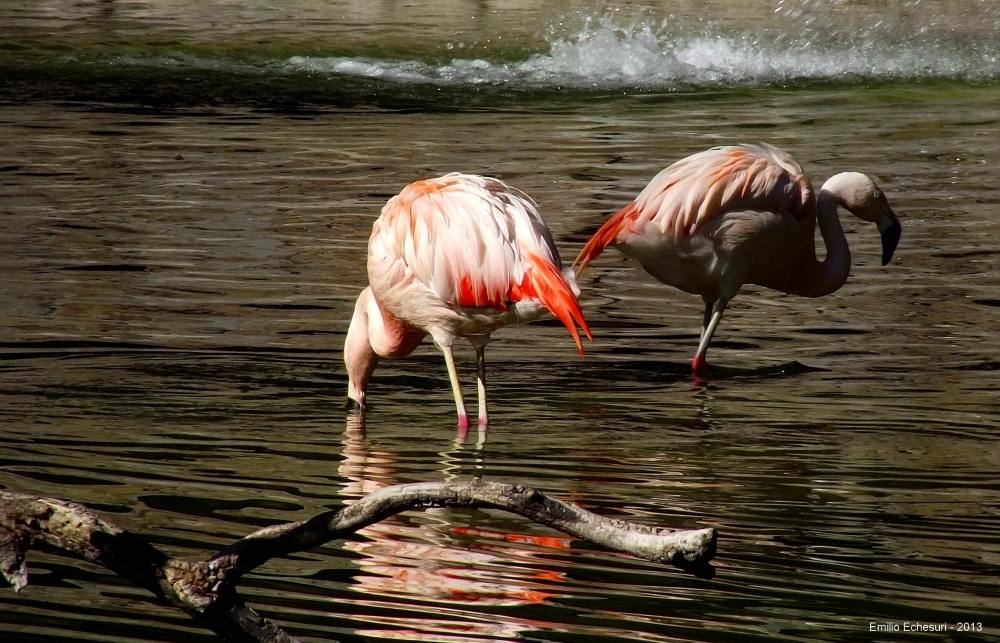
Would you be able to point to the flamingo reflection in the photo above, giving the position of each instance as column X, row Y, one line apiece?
column 428, row 559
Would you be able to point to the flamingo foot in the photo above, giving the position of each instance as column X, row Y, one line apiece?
column 483, row 421
column 463, row 421
column 699, row 365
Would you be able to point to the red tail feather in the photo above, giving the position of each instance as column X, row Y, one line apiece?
column 543, row 281
column 605, row 236
column 474, row 295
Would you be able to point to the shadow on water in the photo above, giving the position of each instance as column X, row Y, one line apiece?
column 788, row 369
column 594, row 372
column 981, row 366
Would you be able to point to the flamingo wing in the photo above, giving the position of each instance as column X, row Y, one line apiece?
column 681, row 199
column 474, row 242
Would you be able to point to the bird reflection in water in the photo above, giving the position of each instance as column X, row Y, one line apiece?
column 425, row 557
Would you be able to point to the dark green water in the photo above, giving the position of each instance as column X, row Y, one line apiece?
column 186, row 191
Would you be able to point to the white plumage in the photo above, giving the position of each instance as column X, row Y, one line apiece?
column 456, row 256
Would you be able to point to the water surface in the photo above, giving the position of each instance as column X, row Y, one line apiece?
column 182, row 248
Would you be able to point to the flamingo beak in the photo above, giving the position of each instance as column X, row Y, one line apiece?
column 889, row 228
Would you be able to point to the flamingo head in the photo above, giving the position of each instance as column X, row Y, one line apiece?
column 359, row 356
column 859, row 194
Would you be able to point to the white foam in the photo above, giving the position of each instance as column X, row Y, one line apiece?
column 607, row 56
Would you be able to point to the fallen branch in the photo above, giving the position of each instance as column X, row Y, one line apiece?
column 206, row 590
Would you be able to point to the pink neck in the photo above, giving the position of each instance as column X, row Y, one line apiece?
column 373, row 333
column 390, row 336
column 824, row 277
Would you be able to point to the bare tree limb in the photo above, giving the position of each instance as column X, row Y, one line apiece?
column 682, row 548
column 197, row 588
column 206, row 590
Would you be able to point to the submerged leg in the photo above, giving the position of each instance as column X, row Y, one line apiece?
column 480, row 344
column 449, row 360
column 700, row 364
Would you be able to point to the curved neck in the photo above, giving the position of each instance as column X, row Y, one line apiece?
column 374, row 333
column 388, row 335
column 831, row 273
column 359, row 356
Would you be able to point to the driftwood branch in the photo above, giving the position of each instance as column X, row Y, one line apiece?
column 206, row 590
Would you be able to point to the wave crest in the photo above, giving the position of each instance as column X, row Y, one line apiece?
column 604, row 55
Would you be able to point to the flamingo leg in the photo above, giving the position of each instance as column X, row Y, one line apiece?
column 706, row 319
column 700, row 364
column 456, row 388
column 480, row 345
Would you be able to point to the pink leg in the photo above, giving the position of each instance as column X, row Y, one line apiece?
column 456, row 389
column 700, row 364
column 480, row 344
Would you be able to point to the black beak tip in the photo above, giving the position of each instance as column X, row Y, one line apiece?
column 352, row 405
column 890, row 239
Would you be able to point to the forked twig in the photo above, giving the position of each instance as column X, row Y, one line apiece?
column 206, row 590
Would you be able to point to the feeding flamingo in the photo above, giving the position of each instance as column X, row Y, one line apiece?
column 456, row 256
column 742, row 214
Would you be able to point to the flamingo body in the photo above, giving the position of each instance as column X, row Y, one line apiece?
column 740, row 214
column 457, row 256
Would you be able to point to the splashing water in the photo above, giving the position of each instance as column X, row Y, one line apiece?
column 608, row 56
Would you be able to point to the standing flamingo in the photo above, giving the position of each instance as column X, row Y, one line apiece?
column 456, row 256
column 742, row 214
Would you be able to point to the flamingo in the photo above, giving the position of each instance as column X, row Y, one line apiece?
column 742, row 214
column 456, row 256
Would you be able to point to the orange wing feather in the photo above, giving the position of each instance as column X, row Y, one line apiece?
column 544, row 282
column 606, row 236
column 681, row 199
column 477, row 243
